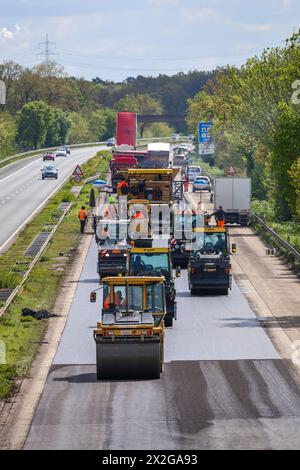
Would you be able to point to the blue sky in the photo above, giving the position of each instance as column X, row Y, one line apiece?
column 120, row 38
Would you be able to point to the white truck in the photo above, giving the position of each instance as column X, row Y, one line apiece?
column 158, row 155
column 234, row 195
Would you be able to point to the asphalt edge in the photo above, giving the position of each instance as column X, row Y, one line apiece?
column 17, row 412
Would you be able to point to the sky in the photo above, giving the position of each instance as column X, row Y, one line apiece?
column 116, row 39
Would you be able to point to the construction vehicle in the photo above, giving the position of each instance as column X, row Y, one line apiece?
column 130, row 336
column 209, row 266
column 158, row 185
column 183, row 223
column 158, row 156
column 234, row 195
column 156, row 262
column 111, row 239
column 181, row 157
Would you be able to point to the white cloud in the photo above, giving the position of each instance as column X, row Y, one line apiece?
column 199, row 15
column 6, row 35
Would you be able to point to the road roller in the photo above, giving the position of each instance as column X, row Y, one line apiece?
column 130, row 336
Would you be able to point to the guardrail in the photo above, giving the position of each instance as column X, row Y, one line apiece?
column 33, row 263
column 33, row 153
column 278, row 238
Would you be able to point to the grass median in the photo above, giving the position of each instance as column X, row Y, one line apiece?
column 22, row 336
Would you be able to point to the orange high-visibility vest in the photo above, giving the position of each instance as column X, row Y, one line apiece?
column 82, row 214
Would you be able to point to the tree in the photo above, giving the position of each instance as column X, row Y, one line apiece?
column 32, row 124
column 58, row 125
column 79, row 129
column 7, row 135
column 140, row 104
column 97, row 125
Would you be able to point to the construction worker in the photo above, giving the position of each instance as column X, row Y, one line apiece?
column 111, row 199
column 186, row 184
column 138, row 265
column 220, row 217
column 119, row 301
column 124, row 187
column 220, row 243
column 138, row 215
column 82, row 216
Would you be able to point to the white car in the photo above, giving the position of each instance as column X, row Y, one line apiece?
column 175, row 137
column 183, row 147
column 61, row 152
column 202, row 183
column 193, row 173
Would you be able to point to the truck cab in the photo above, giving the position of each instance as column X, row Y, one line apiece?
column 209, row 266
column 156, row 262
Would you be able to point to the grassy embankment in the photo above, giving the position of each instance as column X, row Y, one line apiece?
column 23, row 335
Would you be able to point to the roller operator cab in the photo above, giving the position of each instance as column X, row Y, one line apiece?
column 130, row 335
column 156, row 262
column 209, row 266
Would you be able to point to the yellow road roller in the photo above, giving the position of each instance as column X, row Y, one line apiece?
column 130, row 336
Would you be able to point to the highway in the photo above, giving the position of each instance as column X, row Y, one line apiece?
column 22, row 190
column 224, row 385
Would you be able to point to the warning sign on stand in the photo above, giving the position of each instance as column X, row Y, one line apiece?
column 77, row 171
column 231, row 171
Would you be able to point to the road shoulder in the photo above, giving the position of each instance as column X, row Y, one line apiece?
column 17, row 413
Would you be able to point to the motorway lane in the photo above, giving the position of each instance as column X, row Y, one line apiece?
column 223, row 386
column 22, row 189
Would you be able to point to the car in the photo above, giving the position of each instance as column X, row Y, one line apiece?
column 175, row 137
column 49, row 156
column 193, row 173
column 191, row 136
column 61, row 152
column 183, row 147
column 49, row 171
column 111, row 142
column 67, row 148
column 202, row 183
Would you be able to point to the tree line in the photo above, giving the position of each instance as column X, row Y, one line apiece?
column 256, row 114
column 45, row 107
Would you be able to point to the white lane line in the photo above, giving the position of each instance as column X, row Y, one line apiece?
column 18, row 171
column 23, row 224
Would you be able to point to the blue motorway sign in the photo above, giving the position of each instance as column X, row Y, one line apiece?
column 203, row 132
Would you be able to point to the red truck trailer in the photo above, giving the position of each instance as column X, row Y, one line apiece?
column 126, row 129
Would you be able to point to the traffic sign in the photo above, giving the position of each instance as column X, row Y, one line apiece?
column 231, row 171
column 77, row 179
column 204, row 132
column 77, row 171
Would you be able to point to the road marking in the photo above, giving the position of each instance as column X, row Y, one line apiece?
column 18, row 171
column 18, row 230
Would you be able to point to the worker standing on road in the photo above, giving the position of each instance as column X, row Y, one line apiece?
column 186, row 184
column 82, row 216
column 220, row 217
column 124, row 187
column 111, row 199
